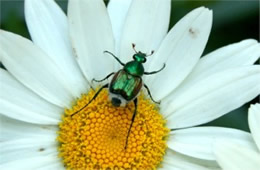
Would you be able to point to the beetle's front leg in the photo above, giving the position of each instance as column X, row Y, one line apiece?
column 154, row 72
column 117, row 59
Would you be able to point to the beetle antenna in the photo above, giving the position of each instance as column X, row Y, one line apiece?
column 133, row 45
column 150, row 54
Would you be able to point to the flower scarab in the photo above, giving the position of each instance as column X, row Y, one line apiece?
column 126, row 83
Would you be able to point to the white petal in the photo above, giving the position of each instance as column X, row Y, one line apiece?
column 146, row 25
column 117, row 11
column 27, row 148
column 243, row 53
column 56, row 165
column 13, row 129
column 198, row 141
column 212, row 97
column 180, row 51
column 34, row 69
column 40, row 162
column 48, row 28
column 232, row 156
column 18, row 102
column 254, row 122
column 91, row 34
column 175, row 161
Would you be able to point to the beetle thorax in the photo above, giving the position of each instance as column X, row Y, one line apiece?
column 134, row 68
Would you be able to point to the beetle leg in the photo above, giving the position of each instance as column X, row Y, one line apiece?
column 154, row 72
column 103, row 78
column 150, row 94
column 93, row 98
column 133, row 119
column 117, row 59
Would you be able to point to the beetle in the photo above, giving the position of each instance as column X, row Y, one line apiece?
column 126, row 83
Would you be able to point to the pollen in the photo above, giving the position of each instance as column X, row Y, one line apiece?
column 95, row 138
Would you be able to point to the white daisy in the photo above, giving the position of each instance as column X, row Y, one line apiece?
column 232, row 156
column 44, row 78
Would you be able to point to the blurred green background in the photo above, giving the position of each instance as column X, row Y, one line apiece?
column 232, row 21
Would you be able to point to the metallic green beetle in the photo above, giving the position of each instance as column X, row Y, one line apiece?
column 126, row 83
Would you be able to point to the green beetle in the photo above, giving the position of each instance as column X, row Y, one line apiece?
column 126, row 83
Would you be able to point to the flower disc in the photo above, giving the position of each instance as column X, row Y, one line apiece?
column 96, row 137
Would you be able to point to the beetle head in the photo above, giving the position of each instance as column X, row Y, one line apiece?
column 139, row 56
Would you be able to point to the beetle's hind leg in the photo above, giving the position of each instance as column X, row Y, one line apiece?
column 93, row 98
column 132, row 121
column 149, row 93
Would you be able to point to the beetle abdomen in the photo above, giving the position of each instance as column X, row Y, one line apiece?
column 126, row 85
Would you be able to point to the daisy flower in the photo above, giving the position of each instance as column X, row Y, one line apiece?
column 49, row 79
column 233, row 156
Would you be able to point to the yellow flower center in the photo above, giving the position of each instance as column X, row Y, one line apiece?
column 95, row 138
